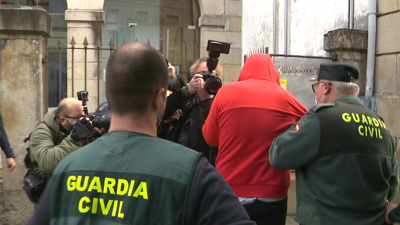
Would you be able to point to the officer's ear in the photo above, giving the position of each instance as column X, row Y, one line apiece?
column 160, row 98
column 326, row 88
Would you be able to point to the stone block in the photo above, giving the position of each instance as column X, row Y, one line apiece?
column 388, row 34
column 234, row 57
column 79, row 55
column 78, row 70
column 212, row 7
column 212, row 21
column 78, row 85
column 84, row 15
column 233, row 8
column 25, row 20
column 385, row 74
column 227, row 82
column 233, row 24
column 211, row 35
column 235, row 38
column 398, row 75
column 231, row 72
column 80, row 32
column 85, row 4
column 346, row 39
column 388, row 106
column 387, row 6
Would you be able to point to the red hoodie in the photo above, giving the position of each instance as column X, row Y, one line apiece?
column 244, row 119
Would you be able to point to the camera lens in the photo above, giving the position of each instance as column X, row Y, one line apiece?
column 213, row 84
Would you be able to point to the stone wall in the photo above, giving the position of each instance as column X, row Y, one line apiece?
column 23, row 96
column 221, row 20
column 387, row 68
column 85, row 19
column 349, row 46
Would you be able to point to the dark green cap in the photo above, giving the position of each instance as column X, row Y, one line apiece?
column 337, row 71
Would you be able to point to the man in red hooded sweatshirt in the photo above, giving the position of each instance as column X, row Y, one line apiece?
column 244, row 119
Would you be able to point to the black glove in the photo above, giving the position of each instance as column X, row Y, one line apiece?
column 81, row 130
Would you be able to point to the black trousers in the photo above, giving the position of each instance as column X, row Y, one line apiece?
column 267, row 212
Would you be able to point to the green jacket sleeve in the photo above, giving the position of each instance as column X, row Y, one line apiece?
column 394, row 176
column 298, row 145
column 45, row 153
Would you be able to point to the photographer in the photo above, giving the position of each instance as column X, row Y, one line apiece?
column 146, row 180
column 186, row 108
column 63, row 130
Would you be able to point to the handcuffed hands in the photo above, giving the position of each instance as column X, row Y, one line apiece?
column 81, row 130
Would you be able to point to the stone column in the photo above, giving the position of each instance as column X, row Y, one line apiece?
column 387, row 69
column 23, row 96
column 85, row 19
column 349, row 46
column 221, row 20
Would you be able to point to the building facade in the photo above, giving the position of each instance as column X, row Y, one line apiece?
column 39, row 65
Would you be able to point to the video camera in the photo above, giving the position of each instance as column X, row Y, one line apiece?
column 214, row 48
column 102, row 117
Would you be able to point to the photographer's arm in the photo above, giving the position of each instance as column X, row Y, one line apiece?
column 45, row 153
column 210, row 127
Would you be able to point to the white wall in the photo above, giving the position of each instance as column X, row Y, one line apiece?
column 308, row 20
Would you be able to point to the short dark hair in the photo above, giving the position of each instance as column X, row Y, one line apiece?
column 135, row 72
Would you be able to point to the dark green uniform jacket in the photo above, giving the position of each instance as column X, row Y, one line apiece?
column 345, row 163
column 123, row 178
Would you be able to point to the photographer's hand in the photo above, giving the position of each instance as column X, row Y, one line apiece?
column 175, row 116
column 82, row 129
column 97, row 131
column 171, row 71
column 201, row 91
column 193, row 83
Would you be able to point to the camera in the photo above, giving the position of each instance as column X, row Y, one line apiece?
column 83, row 96
column 214, row 48
column 101, row 118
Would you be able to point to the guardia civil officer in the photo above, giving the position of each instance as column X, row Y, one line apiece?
column 128, row 175
column 343, row 153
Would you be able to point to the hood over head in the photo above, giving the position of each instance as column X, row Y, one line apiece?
column 261, row 67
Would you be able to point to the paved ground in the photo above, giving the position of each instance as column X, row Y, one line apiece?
column 290, row 221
